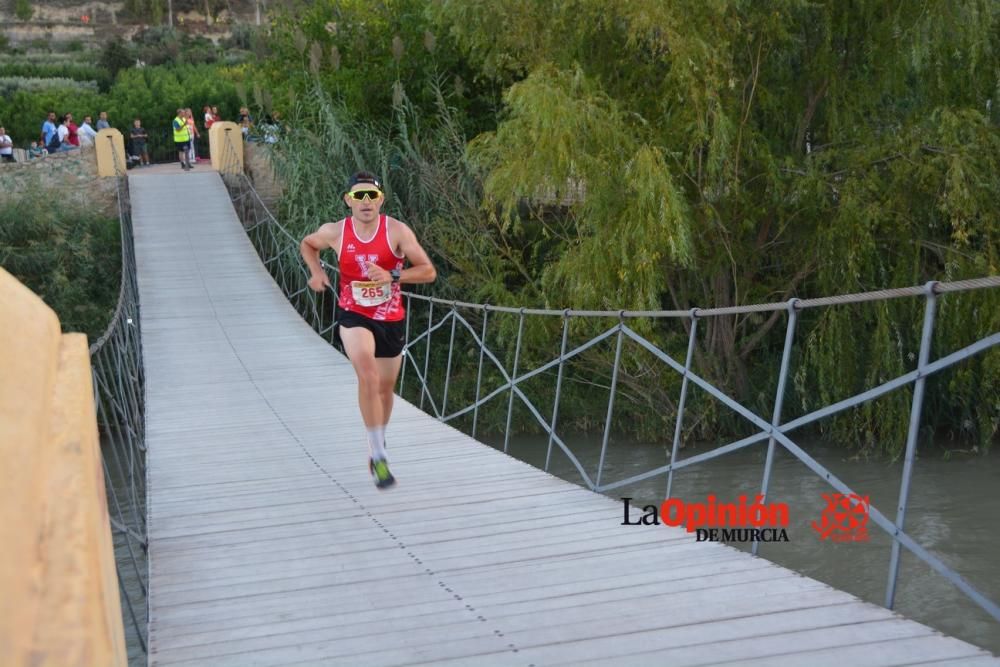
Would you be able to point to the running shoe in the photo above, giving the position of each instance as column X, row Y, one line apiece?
column 379, row 470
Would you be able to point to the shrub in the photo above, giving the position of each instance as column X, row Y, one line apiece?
column 11, row 84
column 69, row 257
column 23, row 10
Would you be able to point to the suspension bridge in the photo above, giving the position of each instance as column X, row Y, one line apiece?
column 269, row 545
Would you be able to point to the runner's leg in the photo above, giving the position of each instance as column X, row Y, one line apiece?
column 359, row 344
column 388, row 371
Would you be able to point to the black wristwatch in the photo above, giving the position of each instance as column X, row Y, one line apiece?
column 395, row 275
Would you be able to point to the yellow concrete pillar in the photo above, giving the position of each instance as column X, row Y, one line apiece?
column 59, row 601
column 225, row 141
column 110, row 152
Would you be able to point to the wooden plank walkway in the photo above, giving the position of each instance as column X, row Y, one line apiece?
column 269, row 545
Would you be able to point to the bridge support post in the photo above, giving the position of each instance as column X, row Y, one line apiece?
column 611, row 398
column 425, row 390
column 559, row 376
column 479, row 373
column 406, row 343
column 916, row 407
column 779, row 398
column 680, row 404
column 513, row 379
column 447, row 372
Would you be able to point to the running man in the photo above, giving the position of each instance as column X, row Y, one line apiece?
column 371, row 249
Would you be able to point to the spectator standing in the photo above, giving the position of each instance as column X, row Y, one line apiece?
column 87, row 133
column 215, row 115
column 209, row 118
column 245, row 122
column 138, row 137
column 102, row 121
column 6, row 146
column 50, row 131
column 193, row 134
column 181, row 138
column 270, row 128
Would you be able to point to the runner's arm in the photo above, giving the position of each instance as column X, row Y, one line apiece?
column 421, row 269
column 327, row 236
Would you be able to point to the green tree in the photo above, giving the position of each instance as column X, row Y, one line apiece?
column 23, row 10
column 683, row 154
column 115, row 56
column 70, row 258
column 805, row 148
column 151, row 10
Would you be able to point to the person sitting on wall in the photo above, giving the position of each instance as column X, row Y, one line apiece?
column 63, row 135
column 6, row 146
column 87, row 132
column 74, row 132
column 36, row 151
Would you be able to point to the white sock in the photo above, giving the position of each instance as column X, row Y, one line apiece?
column 376, row 441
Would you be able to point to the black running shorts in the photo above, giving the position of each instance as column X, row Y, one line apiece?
column 389, row 336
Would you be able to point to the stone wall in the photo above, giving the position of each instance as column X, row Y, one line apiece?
column 73, row 174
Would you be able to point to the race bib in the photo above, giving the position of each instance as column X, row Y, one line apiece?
column 370, row 293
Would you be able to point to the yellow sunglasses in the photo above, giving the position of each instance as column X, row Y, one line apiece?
column 359, row 195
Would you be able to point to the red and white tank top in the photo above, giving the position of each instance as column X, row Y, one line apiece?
column 357, row 293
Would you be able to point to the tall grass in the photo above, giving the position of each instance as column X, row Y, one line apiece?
column 427, row 180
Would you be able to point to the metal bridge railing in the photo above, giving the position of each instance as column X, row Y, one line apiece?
column 119, row 393
column 279, row 250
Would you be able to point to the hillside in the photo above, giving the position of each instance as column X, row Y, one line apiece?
column 93, row 22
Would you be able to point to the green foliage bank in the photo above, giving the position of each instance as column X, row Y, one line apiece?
column 70, row 257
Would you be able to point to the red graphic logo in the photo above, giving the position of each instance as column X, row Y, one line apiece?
column 845, row 518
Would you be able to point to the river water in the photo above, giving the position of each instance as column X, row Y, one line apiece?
column 954, row 512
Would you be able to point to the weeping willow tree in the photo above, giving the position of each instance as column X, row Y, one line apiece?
column 735, row 152
column 669, row 155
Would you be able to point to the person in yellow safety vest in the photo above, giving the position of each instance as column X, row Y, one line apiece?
column 182, row 139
